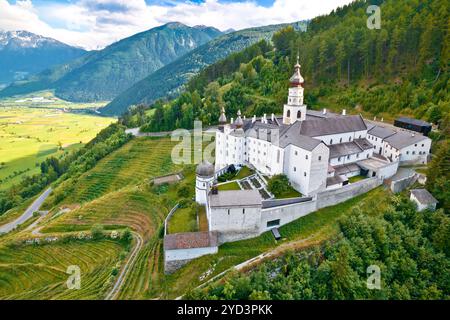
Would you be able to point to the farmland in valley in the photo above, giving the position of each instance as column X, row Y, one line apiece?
column 31, row 131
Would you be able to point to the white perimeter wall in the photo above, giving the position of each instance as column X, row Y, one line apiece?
column 188, row 254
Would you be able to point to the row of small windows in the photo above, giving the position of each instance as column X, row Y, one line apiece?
column 304, row 173
column 350, row 156
column 340, row 140
column 299, row 114
column 243, row 211
column 307, row 157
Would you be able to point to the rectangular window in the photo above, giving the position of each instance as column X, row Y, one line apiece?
column 295, row 169
column 320, row 158
column 304, row 173
column 278, row 156
column 306, row 157
column 273, row 223
column 243, row 211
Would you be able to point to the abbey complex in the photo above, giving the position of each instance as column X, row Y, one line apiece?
column 318, row 151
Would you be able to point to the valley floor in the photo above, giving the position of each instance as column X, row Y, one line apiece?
column 30, row 133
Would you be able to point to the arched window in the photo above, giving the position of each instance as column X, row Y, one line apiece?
column 299, row 114
column 289, row 113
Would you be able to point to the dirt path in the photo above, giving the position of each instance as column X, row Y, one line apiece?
column 126, row 269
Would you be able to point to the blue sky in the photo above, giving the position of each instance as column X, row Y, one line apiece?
column 94, row 24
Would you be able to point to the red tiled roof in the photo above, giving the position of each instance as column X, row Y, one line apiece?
column 190, row 240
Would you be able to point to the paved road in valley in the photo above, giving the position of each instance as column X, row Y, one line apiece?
column 28, row 213
column 137, row 132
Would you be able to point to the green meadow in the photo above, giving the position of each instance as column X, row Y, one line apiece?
column 29, row 134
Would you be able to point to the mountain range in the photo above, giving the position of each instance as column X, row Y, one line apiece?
column 101, row 75
column 23, row 53
column 168, row 81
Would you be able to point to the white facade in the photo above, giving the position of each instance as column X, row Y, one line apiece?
column 307, row 170
column 202, row 188
column 402, row 146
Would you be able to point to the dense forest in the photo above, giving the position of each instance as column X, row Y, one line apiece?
column 401, row 68
column 70, row 164
column 410, row 248
column 169, row 80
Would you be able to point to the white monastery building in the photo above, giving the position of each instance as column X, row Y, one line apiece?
column 318, row 151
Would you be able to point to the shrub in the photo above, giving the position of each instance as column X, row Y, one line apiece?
column 127, row 236
column 184, row 191
column 279, row 184
column 185, row 203
column 97, row 231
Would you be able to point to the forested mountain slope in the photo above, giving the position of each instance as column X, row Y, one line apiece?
column 168, row 81
column 101, row 75
column 401, row 68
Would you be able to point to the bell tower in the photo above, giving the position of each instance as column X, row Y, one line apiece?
column 295, row 110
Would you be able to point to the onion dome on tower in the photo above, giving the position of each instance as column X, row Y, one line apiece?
column 223, row 117
column 297, row 79
column 239, row 123
column 205, row 169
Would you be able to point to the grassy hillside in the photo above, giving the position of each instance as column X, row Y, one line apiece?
column 168, row 80
column 133, row 207
column 101, row 75
column 137, row 162
column 128, row 201
column 39, row 271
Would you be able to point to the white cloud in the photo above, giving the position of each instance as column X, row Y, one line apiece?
column 97, row 23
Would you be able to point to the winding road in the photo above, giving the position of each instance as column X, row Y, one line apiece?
column 124, row 272
column 27, row 214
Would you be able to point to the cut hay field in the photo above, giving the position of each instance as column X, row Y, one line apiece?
column 47, row 99
column 39, row 271
column 30, row 135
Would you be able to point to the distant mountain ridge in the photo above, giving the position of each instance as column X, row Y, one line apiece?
column 101, row 75
column 170, row 79
column 23, row 53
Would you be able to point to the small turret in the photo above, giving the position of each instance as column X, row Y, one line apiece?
column 239, row 122
column 204, row 181
column 223, row 117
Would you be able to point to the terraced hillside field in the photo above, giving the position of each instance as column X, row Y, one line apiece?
column 39, row 271
column 133, row 207
column 139, row 160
